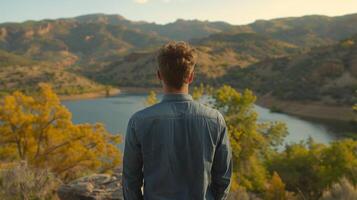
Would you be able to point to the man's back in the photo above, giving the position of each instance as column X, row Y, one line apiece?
column 180, row 149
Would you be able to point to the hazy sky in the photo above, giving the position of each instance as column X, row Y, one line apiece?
column 163, row 11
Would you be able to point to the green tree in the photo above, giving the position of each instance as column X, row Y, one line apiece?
column 251, row 141
column 308, row 168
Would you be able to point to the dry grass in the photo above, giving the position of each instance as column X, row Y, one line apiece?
column 20, row 182
column 343, row 190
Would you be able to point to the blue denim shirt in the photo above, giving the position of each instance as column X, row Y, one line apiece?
column 177, row 149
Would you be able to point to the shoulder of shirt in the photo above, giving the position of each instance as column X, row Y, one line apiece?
column 145, row 112
column 211, row 113
column 205, row 110
column 201, row 110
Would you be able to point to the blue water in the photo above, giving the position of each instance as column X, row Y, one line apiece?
column 115, row 112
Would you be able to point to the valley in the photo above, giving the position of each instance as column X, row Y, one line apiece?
column 302, row 59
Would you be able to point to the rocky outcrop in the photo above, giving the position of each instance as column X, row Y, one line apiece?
column 94, row 187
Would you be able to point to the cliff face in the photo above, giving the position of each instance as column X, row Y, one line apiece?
column 94, row 187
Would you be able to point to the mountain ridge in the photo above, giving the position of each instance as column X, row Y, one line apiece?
column 99, row 46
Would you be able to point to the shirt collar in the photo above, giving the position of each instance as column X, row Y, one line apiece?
column 177, row 97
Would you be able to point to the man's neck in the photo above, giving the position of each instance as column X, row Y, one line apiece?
column 168, row 90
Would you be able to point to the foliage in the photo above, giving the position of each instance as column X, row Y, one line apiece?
column 151, row 99
column 347, row 43
column 275, row 189
column 21, row 182
column 250, row 140
column 276, row 109
column 343, row 190
column 305, row 168
column 39, row 130
column 8, row 59
column 308, row 168
column 242, row 194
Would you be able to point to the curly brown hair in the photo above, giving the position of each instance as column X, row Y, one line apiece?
column 176, row 62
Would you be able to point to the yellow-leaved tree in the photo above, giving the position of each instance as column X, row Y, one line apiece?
column 151, row 99
column 39, row 130
column 276, row 189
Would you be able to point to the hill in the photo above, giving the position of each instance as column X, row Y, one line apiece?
column 111, row 49
column 251, row 47
column 325, row 74
column 178, row 30
column 307, row 31
column 217, row 55
column 98, row 39
column 8, row 59
column 20, row 73
column 304, row 31
column 67, row 41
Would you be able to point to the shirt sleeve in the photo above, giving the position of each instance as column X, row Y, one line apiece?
column 132, row 165
column 222, row 166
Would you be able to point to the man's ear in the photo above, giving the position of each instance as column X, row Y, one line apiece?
column 158, row 75
column 191, row 77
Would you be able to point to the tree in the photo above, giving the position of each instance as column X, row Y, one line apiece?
column 39, row 130
column 107, row 89
column 151, row 99
column 250, row 140
column 275, row 189
column 347, row 43
column 308, row 168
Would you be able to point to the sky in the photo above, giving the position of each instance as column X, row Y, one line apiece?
column 165, row 11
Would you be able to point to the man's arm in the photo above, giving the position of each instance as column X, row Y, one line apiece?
column 222, row 166
column 132, row 165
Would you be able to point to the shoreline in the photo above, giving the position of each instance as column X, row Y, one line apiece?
column 305, row 110
column 309, row 110
column 91, row 95
column 139, row 90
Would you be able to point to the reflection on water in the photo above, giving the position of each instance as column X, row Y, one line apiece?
column 115, row 112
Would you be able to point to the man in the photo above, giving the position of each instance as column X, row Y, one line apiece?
column 178, row 149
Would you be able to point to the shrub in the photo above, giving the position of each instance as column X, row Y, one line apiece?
column 25, row 183
column 343, row 190
column 242, row 194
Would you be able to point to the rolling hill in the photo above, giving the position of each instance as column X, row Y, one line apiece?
column 20, row 73
column 178, row 30
column 217, row 55
column 307, row 31
column 290, row 58
column 326, row 74
column 67, row 42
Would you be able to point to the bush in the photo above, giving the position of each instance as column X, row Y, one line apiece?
column 242, row 194
column 22, row 182
column 343, row 190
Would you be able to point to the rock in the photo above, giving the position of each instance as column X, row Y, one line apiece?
column 94, row 187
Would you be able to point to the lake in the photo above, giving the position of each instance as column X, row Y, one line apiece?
column 115, row 112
